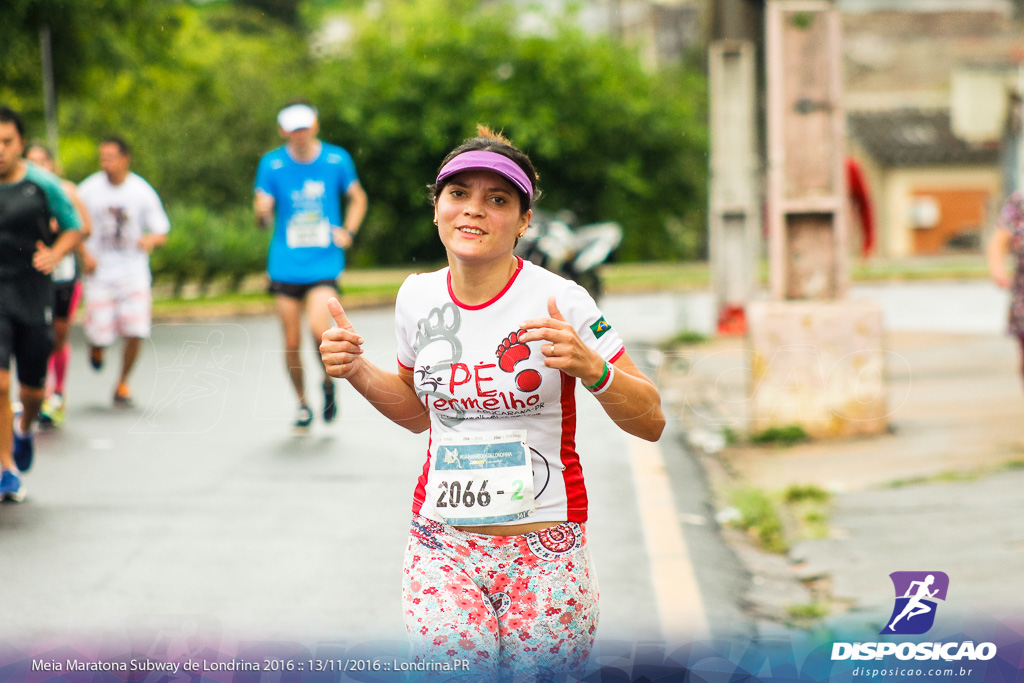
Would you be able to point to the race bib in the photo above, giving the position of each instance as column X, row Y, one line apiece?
column 482, row 478
column 65, row 270
column 308, row 229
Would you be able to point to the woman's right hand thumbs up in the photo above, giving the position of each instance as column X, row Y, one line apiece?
column 341, row 349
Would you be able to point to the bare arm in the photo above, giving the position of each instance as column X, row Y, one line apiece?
column 998, row 248
column 263, row 205
column 355, row 209
column 392, row 394
column 631, row 400
column 356, row 203
column 151, row 241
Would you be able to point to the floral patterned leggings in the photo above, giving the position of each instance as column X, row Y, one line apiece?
column 514, row 606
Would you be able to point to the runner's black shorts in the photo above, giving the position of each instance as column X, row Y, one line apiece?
column 63, row 296
column 30, row 346
column 299, row 292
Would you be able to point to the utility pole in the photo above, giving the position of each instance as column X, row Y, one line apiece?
column 735, row 191
column 49, row 90
column 615, row 19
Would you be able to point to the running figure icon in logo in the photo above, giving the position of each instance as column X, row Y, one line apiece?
column 916, row 593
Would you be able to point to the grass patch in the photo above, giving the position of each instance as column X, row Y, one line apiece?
column 956, row 476
column 375, row 284
column 776, row 520
column 648, row 277
column 760, row 518
column 804, row 616
column 684, row 338
column 798, row 493
column 782, row 436
column 175, row 305
column 808, row 506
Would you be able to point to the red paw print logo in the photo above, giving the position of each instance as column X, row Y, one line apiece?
column 510, row 353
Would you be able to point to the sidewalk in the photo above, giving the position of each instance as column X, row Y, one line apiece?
column 940, row 492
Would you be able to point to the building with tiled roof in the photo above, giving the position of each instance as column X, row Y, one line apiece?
column 925, row 89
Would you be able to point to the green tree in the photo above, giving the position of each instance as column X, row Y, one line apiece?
column 199, row 123
column 610, row 141
column 119, row 33
column 195, row 88
column 286, row 11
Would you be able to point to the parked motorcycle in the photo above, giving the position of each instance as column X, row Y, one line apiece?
column 573, row 253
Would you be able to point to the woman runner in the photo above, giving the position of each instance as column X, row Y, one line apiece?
column 67, row 291
column 497, row 569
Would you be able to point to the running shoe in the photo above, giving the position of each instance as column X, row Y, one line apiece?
column 10, row 487
column 123, row 396
column 96, row 357
column 24, row 449
column 303, row 419
column 330, row 406
column 52, row 413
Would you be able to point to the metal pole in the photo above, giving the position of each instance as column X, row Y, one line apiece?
column 49, row 90
column 615, row 19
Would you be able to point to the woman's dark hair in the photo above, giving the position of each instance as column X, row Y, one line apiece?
column 8, row 115
column 38, row 144
column 487, row 140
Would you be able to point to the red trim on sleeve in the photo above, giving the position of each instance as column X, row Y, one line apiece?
column 575, row 491
column 406, row 366
column 618, row 355
column 519, row 269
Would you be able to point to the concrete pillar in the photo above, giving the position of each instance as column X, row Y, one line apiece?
column 734, row 212
column 806, row 191
column 818, row 359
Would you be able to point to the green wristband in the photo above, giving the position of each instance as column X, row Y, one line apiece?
column 596, row 384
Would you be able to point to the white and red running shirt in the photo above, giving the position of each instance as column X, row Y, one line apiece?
column 492, row 400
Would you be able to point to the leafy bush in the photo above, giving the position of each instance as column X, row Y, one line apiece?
column 610, row 141
column 204, row 245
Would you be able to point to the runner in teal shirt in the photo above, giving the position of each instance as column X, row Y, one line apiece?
column 29, row 251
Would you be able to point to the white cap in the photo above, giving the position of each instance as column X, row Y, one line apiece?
column 295, row 117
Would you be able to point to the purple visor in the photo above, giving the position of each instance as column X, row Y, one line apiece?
column 480, row 160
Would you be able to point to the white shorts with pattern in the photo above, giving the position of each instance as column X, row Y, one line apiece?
column 113, row 311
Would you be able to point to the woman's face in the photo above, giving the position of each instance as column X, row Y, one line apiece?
column 39, row 158
column 478, row 216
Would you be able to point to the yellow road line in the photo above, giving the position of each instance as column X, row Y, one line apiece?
column 680, row 608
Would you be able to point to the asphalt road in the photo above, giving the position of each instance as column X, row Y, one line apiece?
column 198, row 512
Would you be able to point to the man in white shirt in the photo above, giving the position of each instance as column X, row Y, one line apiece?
column 128, row 222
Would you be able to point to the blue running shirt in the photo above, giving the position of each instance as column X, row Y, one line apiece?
column 307, row 203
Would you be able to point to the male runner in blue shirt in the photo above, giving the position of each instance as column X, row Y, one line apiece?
column 298, row 189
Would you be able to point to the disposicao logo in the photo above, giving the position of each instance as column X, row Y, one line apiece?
column 913, row 613
column 916, row 595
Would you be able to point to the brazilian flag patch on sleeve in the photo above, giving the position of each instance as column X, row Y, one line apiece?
column 600, row 327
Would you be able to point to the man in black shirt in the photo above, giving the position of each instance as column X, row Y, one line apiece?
column 29, row 251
